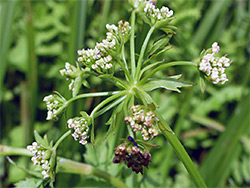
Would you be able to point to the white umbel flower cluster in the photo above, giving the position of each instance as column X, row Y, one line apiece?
column 154, row 13
column 143, row 121
column 53, row 102
column 40, row 158
column 100, row 58
column 81, row 128
column 214, row 67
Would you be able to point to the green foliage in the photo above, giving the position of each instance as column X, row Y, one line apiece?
column 203, row 122
column 169, row 84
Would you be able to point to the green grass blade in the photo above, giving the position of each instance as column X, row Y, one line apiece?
column 105, row 13
column 77, row 29
column 216, row 167
column 31, row 74
column 206, row 26
column 7, row 10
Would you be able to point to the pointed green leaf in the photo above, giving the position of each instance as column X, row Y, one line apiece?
column 105, row 76
column 146, row 144
column 51, row 143
column 77, row 86
column 202, row 82
column 164, row 49
column 86, row 116
column 86, row 84
column 169, row 84
column 162, row 24
column 117, row 110
column 144, row 18
column 159, row 45
column 112, row 119
column 39, row 139
column 111, row 123
column 45, row 138
column 176, row 77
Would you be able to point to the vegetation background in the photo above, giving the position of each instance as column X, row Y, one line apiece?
column 38, row 37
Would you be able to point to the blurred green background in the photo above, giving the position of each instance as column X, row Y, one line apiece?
column 38, row 37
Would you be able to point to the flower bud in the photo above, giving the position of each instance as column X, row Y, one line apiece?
column 80, row 125
column 54, row 105
column 133, row 156
column 144, row 121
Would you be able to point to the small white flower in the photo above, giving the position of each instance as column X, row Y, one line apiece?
column 45, row 174
column 215, row 47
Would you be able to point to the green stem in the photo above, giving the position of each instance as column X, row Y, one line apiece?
column 185, row 107
column 105, row 109
column 98, row 94
column 132, row 44
column 8, row 151
column 99, row 106
column 125, row 66
column 111, row 179
column 181, row 152
column 124, row 58
column 72, row 167
column 85, row 95
column 125, row 111
column 174, row 63
column 144, row 46
column 119, row 81
column 113, row 97
column 61, row 139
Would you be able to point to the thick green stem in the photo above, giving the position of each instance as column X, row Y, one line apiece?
column 9, row 151
column 161, row 67
column 181, row 152
column 132, row 44
column 143, row 48
column 184, row 109
column 111, row 179
column 72, row 167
